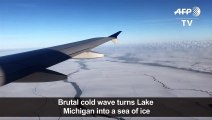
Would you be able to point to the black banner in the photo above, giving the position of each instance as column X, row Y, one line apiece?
column 106, row 107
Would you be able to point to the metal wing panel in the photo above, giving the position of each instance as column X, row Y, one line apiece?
column 17, row 66
column 74, row 49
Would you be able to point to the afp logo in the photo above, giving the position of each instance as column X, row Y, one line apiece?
column 183, row 14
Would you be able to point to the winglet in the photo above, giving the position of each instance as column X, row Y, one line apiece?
column 115, row 34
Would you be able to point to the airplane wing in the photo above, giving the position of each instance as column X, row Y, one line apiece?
column 29, row 65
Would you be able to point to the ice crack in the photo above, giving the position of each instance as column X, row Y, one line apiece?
column 165, row 86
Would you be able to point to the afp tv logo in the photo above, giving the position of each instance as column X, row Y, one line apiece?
column 185, row 12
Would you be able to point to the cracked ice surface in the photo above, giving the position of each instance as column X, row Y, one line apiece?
column 134, row 72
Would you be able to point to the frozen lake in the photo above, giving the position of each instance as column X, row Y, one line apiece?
column 133, row 71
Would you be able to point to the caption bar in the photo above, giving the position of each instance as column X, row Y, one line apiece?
column 106, row 107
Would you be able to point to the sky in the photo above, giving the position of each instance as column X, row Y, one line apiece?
column 43, row 23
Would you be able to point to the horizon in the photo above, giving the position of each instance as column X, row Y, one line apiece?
column 37, row 24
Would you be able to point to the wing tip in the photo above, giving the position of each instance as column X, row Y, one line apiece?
column 115, row 35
